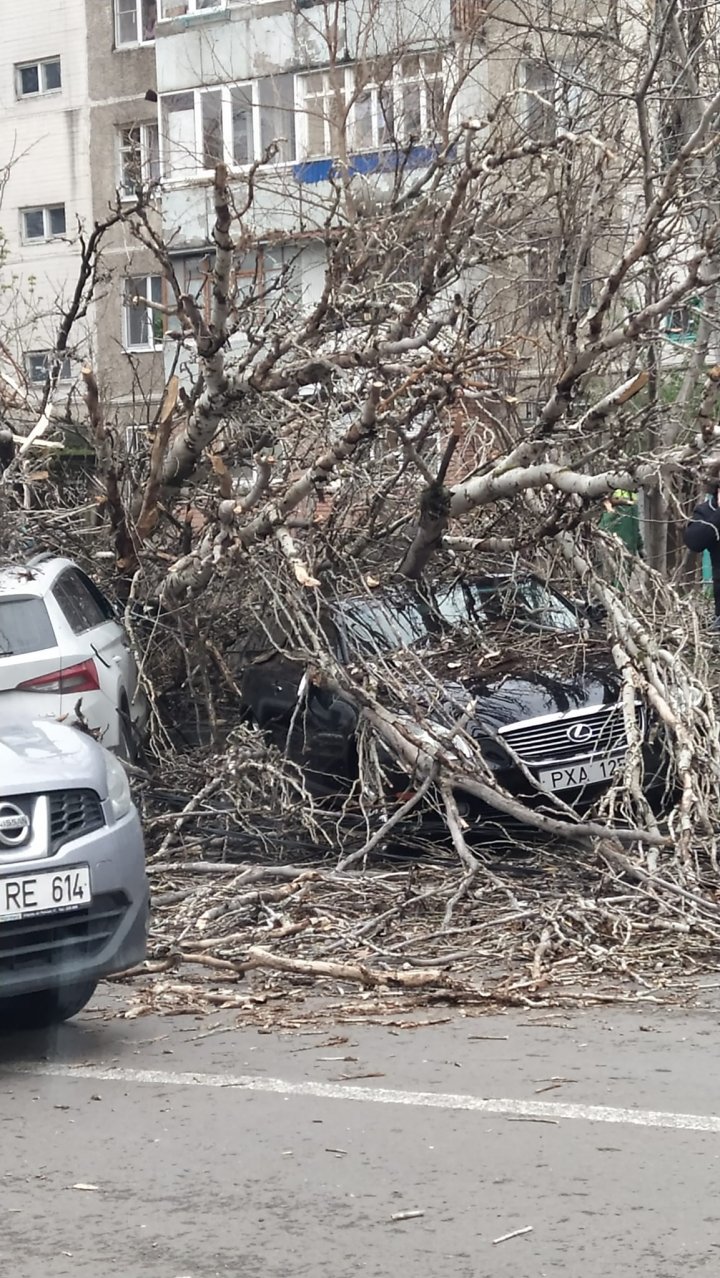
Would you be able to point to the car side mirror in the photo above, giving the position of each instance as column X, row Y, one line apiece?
column 595, row 613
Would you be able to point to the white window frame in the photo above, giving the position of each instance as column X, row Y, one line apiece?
column 352, row 87
column 198, row 169
column 181, row 8
column 42, row 90
column 148, row 149
column 140, row 37
column 48, row 233
column 150, row 310
column 342, row 78
column 422, row 79
column 65, row 374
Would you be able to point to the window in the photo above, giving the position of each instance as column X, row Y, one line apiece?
column 322, row 103
column 79, row 605
column 139, row 158
column 418, row 96
column 530, row 410
column 176, row 8
column 202, row 128
column 135, row 21
column 268, row 279
column 555, row 97
column 25, row 627
column 178, row 134
column 380, row 103
column 33, row 78
column 39, row 365
column 276, row 100
column 585, row 291
column 145, row 321
column 406, row 619
column 468, row 16
column 551, row 274
column 681, row 323
column 264, row 280
column 43, row 223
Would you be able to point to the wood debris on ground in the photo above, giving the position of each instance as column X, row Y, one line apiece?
column 289, row 944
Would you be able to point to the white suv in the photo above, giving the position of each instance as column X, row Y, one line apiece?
column 64, row 654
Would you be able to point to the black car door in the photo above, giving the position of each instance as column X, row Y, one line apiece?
column 322, row 739
column 313, row 726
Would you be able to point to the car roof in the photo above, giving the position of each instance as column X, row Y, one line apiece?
column 35, row 577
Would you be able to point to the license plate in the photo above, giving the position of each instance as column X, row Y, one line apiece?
column 44, row 893
column 576, row 775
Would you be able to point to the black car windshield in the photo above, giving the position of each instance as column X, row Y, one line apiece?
column 397, row 619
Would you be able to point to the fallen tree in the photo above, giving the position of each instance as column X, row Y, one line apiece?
column 487, row 356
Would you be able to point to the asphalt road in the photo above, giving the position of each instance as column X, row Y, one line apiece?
column 187, row 1148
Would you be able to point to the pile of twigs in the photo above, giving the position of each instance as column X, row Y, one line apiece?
column 239, row 922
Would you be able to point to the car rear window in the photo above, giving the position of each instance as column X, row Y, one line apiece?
column 24, row 627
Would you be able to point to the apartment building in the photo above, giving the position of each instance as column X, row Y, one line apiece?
column 102, row 97
column 46, row 180
column 124, row 158
column 77, row 135
column 83, row 127
column 268, row 85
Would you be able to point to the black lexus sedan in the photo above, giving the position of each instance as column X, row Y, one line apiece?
column 530, row 679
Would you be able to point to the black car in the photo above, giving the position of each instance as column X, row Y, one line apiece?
column 543, row 688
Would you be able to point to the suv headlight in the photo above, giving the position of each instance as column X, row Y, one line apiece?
column 118, row 787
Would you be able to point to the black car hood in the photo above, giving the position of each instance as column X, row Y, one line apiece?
column 514, row 698
column 513, row 689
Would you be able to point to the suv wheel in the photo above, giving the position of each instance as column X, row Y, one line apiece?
column 47, row 1007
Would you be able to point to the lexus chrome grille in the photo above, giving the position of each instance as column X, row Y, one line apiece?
column 566, row 737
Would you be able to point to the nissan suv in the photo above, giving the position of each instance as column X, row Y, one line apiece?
column 73, row 889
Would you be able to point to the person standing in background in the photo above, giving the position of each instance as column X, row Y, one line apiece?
column 702, row 536
column 622, row 518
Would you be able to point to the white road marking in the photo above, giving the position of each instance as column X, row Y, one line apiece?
column 374, row 1095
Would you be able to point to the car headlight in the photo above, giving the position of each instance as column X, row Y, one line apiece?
column 118, row 787
column 435, row 736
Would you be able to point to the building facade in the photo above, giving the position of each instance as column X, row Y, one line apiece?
column 124, row 159
column 283, row 92
column 46, row 182
column 101, row 99
column 77, row 135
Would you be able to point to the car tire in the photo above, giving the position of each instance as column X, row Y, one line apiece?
column 47, row 1007
column 127, row 747
column 124, row 748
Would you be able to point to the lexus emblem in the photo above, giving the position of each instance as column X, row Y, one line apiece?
column 580, row 733
column 14, row 825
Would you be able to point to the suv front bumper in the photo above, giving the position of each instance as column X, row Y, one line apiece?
column 108, row 935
